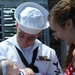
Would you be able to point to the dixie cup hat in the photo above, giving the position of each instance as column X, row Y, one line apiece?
column 31, row 17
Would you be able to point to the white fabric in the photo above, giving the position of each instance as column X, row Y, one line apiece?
column 26, row 51
column 8, row 51
column 34, row 23
column 3, row 67
column 32, row 18
column 22, row 72
column 38, row 74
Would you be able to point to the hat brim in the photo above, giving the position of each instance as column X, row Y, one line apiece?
column 35, row 5
column 31, row 30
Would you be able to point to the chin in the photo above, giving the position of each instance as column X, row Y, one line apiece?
column 24, row 46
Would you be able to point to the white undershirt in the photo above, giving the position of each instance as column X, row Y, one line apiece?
column 27, row 51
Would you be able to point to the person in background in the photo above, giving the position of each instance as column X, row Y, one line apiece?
column 62, row 23
column 23, row 50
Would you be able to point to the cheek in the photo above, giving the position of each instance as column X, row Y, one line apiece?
column 19, row 39
column 61, row 33
column 73, row 53
column 31, row 41
column 58, row 34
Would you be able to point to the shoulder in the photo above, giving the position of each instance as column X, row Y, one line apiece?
column 47, row 48
column 44, row 47
column 6, row 43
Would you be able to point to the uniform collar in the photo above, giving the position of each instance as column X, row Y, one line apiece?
column 15, row 43
column 36, row 44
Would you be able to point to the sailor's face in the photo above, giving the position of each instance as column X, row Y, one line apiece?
column 25, row 39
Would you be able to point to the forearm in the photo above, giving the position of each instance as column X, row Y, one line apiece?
column 12, row 69
column 0, row 68
column 9, row 68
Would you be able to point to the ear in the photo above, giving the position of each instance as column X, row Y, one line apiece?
column 69, row 23
column 16, row 25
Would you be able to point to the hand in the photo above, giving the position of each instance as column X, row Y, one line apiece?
column 11, row 69
column 29, row 71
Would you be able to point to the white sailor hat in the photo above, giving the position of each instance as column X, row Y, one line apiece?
column 31, row 17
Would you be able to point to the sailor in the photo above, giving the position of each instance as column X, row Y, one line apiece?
column 23, row 49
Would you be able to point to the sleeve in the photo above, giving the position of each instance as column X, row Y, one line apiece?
column 54, row 66
column 3, row 67
column 22, row 72
column 2, row 53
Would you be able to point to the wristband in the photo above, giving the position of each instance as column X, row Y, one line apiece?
column 3, row 68
column 22, row 72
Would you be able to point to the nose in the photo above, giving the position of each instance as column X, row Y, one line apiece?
column 55, row 36
column 24, row 43
column 25, row 40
